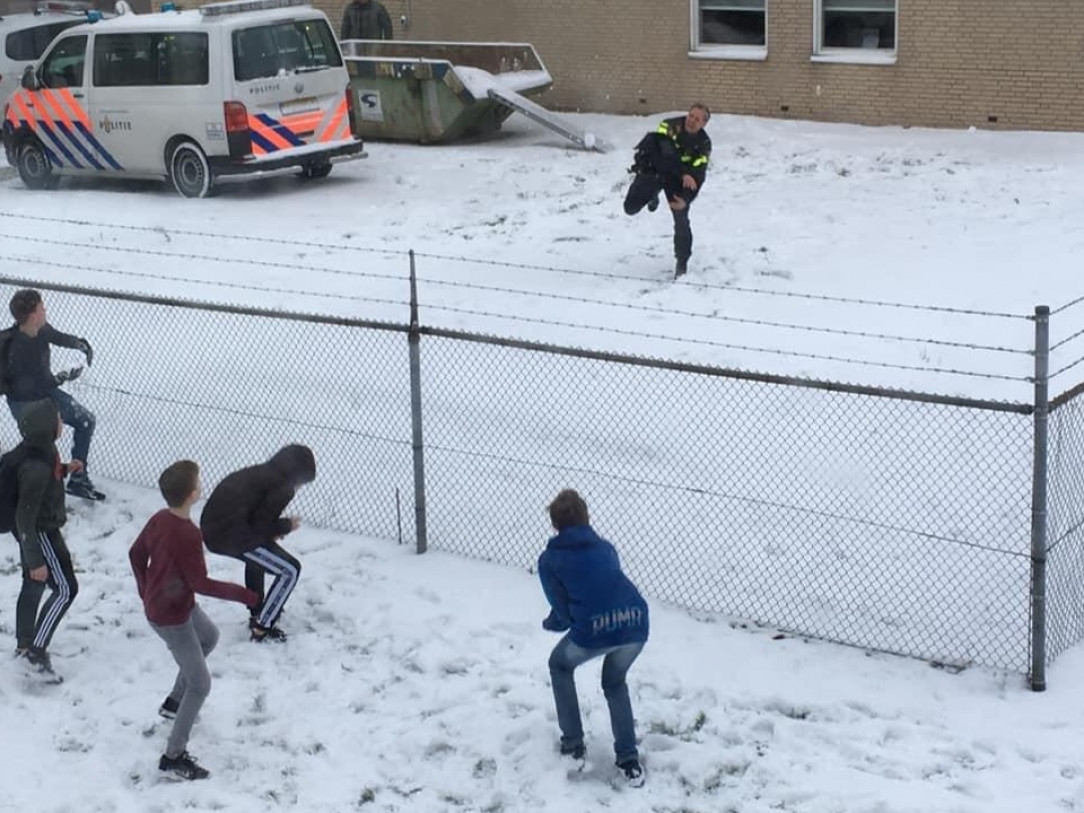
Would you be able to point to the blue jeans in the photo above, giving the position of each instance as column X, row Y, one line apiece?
column 564, row 659
column 72, row 413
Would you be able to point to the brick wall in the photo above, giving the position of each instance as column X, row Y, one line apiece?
column 959, row 62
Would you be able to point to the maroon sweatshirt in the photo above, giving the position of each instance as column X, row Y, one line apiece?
column 167, row 559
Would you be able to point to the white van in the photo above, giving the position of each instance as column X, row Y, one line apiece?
column 234, row 88
column 24, row 38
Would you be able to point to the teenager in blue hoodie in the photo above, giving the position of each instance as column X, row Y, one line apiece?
column 604, row 615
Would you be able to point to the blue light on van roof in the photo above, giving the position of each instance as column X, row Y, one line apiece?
column 94, row 16
column 168, row 7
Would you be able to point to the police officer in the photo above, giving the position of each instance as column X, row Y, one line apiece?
column 673, row 160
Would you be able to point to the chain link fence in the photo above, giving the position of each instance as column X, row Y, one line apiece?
column 888, row 520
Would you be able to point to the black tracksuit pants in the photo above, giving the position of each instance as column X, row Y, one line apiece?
column 34, row 628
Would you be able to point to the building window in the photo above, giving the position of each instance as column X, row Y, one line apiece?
column 722, row 24
column 862, row 24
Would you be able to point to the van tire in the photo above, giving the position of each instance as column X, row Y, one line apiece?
column 33, row 165
column 312, row 170
column 189, row 170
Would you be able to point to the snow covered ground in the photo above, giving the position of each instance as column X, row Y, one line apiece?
column 419, row 684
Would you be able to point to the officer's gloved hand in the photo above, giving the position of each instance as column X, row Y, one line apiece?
column 68, row 375
column 84, row 346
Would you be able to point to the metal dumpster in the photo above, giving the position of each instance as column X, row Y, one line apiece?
column 438, row 91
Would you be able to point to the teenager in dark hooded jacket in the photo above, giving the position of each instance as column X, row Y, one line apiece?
column 39, row 515
column 243, row 519
column 605, row 615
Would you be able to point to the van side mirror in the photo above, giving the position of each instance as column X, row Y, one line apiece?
column 30, row 79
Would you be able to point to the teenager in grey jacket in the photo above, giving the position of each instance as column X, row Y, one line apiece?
column 39, row 515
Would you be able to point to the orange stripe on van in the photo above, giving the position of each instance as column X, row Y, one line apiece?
column 57, row 112
column 303, row 122
column 75, row 108
column 331, row 132
column 43, row 114
column 18, row 101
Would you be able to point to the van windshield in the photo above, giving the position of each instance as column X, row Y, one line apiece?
column 293, row 46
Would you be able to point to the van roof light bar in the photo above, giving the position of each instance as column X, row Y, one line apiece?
column 64, row 7
column 241, row 6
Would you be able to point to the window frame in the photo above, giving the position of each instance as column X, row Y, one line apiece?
column 857, row 56
column 702, row 50
column 157, row 38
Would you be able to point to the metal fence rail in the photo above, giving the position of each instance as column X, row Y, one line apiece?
column 891, row 520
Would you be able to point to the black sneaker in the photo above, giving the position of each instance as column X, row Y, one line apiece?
column 40, row 664
column 79, row 485
column 259, row 634
column 575, row 751
column 680, row 267
column 634, row 773
column 184, row 766
column 168, row 709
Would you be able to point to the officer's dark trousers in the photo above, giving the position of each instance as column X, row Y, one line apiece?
column 647, row 186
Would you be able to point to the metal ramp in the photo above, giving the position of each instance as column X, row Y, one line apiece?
column 536, row 112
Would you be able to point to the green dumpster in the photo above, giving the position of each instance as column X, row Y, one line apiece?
column 438, row 91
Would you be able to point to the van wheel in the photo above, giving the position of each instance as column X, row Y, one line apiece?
column 189, row 171
column 313, row 170
column 34, row 167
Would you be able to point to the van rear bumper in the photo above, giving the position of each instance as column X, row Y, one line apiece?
column 223, row 165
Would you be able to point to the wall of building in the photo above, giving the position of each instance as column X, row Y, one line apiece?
column 998, row 63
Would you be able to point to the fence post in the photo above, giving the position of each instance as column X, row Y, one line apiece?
column 1038, row 499
column 414, row 341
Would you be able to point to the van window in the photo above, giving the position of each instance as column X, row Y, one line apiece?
column 287, row 47
column 150, row 59
column 30, row 43
column 63, row 68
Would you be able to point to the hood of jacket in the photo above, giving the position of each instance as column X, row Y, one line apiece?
column 296, row 463
column 38, row 423
column 574, row 537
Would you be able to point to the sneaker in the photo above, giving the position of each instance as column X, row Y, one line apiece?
column 259, row 633
column 41, row 665
column 680, row 267
column 184, row 766
column 79, row 485
column 634, row 773
column 653, row 204
column 168, row 709
column 578, row 752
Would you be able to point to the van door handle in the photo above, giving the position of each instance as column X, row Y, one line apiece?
column 78, row 95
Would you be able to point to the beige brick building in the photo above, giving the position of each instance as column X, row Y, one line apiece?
column 950, row 63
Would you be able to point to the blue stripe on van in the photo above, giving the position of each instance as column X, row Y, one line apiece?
column 51, row 156
column 45, row 128
column 262, row 142
column 280, row 129
column 102, row 151
column 78, row 143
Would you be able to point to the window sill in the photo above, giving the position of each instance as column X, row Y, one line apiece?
column 746, row 53
column 856, row 56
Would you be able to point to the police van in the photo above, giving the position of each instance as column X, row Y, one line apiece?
column 24, row 38
column 232, row 88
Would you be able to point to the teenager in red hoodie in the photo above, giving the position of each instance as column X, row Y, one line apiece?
column 167, row 559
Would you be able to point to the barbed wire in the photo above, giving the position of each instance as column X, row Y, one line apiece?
column 1067, row 339
column 209, row 258
column 728, row 346
column 1062, row 308
column 244, row 413
column 724, row 318
column 521, row 266
column 1066, row 368
column 212, row 283
column 881, row 526
column 490, row 288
